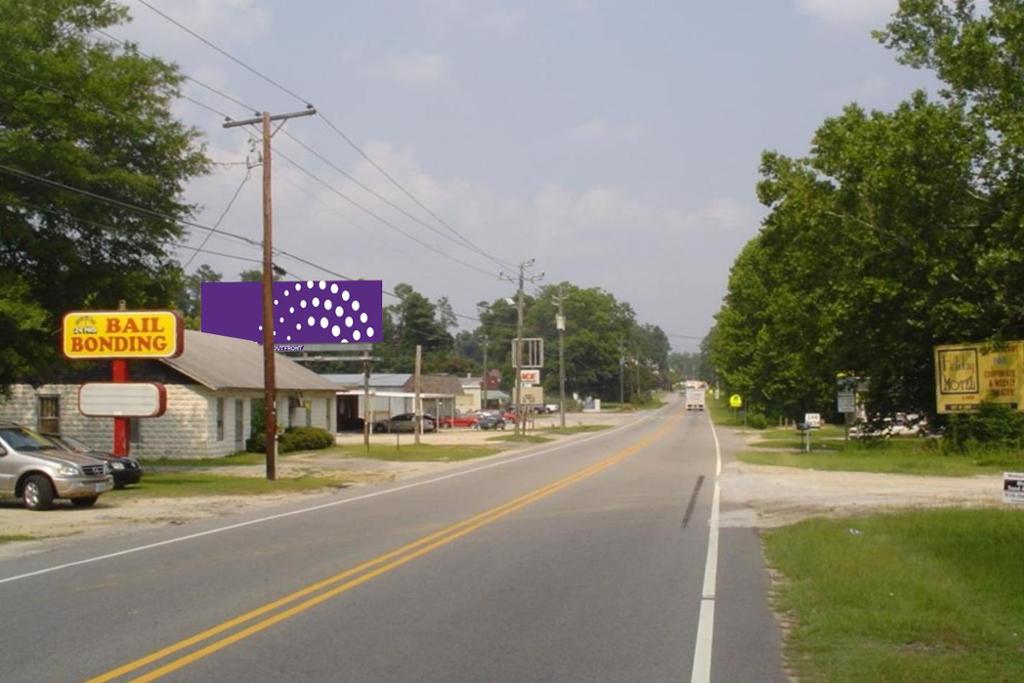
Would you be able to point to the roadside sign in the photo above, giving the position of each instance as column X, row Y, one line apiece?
column 967, row 374
column 532, row 355
column 846, row 402
column 97, row 335
column 122, row 399
column 532, row 396
column 812, row 420
column 529, row 377
column 1013, row 487
column 735, row 401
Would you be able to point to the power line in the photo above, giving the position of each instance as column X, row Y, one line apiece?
column 406, row 192
column 220, row 219
column 117, row 202
column 332, row 126
column 387, row 201
column 383, row 220
column 193, row 79
column 227, row 54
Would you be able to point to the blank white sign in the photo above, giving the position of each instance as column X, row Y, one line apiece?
column 127, row 399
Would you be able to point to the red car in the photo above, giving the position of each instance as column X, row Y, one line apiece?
column 458, row 421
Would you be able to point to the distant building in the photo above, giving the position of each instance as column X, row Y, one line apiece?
column 393, row 394
column 210, row 392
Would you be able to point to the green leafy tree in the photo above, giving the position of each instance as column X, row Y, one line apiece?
column 79, row 111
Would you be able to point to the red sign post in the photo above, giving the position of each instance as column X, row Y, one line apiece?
column 118, row 336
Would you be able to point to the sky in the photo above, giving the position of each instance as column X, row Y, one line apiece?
column 615, row 143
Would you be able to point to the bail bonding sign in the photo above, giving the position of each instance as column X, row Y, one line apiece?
column 122, row 334
column 310, row 312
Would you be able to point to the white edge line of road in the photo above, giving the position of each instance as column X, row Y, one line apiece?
column 323, row 506
column 701, row 672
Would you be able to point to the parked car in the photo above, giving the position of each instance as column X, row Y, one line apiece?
column 405, row 422
column 490, row 421
column 124, row 469
column 34, row 469
column 902, row 424
column 458, row 421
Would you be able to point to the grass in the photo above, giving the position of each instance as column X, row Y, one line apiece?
column 907, row 455
column 242, row 458
column 415, row 453
column 931, row 595
column 522, row 438
column 576, row 429
column 177, row 484
column 13, row 538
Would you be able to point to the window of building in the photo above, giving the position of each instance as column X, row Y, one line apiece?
column 49, row 414
column 220, row 419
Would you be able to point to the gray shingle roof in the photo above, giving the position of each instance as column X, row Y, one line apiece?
column 380, row 380
column 221, row 363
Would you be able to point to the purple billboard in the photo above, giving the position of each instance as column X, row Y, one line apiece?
column 311, row 312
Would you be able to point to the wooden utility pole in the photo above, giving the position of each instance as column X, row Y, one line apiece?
column 517, row 356
column 367, row 413
column 560, row 325
column 417, row 407
column 483, row 379
column 269, row 390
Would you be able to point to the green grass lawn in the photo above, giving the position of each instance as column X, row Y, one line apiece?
column 933, row 595
column 901, row 455
column 522, row 438
column 410, row 452
column 242, row 458
column 569, row 430
column 13, row 538
column 177, row 484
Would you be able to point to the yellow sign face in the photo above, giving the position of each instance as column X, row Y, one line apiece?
column 735, row 401
column 122, row 334
column 967, row 374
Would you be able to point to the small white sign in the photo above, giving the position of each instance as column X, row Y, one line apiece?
column 529, row 376
column 1013, row 487
column 812, row 420
column 846, row 402
column 117, row 399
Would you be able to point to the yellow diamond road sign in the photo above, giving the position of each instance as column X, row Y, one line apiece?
column 735, row 401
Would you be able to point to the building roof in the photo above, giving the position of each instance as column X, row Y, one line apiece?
column 442, row 385
column 220, row 363
column 377, row 379
column 436, row 384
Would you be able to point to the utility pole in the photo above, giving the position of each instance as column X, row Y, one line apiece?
column 269, row 390
column 517, row 360
column 560, row 325
column 622, row 373
column 417, row 409
column 367, row 413
column 483, row 378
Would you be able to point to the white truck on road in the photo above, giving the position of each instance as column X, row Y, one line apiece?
column 695, row 397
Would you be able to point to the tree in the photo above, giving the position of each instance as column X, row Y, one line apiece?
column 81, row 112
column 190, row 297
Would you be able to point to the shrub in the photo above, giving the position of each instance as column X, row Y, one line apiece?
column 293, row 439
column 993, row 426
column 757, row 421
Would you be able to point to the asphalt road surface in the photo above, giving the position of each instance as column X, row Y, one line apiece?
column 586, row 560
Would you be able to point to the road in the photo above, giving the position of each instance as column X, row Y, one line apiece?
column 580, row 561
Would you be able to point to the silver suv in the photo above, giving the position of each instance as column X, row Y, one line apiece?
column 33, row 469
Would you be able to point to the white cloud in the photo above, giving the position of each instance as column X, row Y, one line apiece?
column 598, row 130
column 417, row 69
column 849, row 13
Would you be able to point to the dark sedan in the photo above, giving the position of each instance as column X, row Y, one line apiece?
column 490, row 421
column 125, row 470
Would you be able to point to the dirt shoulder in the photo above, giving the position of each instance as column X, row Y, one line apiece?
column 766, row 496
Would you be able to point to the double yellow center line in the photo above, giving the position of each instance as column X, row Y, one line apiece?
column 321, row 591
